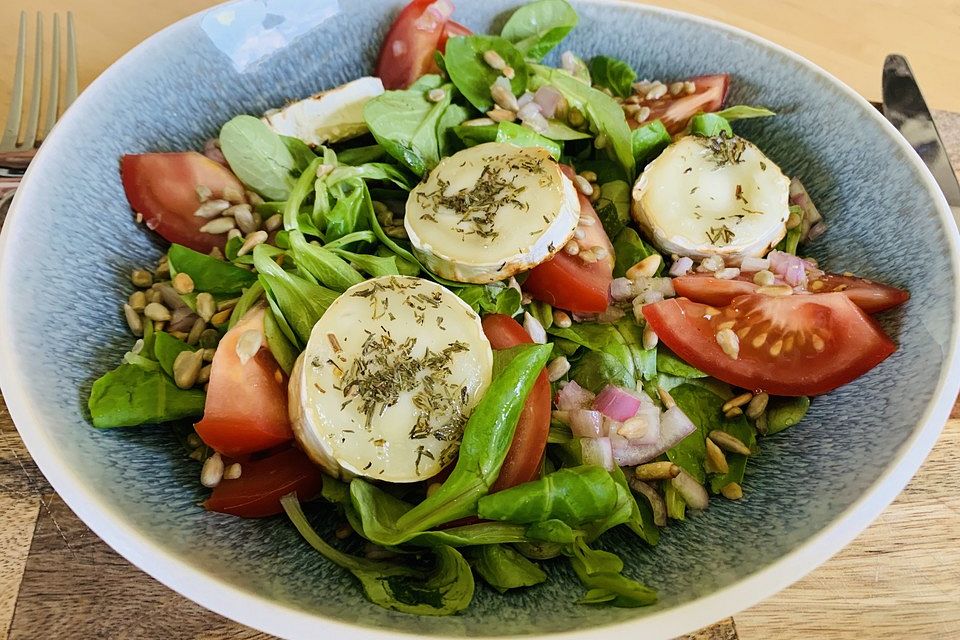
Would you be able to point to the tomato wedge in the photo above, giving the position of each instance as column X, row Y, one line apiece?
column 870, row 296
column 451, row 30
column 790, row 346
column 567, row 281
column 163, row 188
column 246, row 407
column 522, row 463
column 675, row 111
column 257, row 492
column 407, row 51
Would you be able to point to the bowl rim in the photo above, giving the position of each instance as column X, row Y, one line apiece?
column 222, row 597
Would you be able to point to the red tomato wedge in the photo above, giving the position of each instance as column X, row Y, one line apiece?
column 870, row 296
column 163, row 187
column 451, row 30
column 522, row 463
column 567, row 281
column 675, row 111
column 790, row 346
column 407, row 51
column 257, row 492
column 246, row 408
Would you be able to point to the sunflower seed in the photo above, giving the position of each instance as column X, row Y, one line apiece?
column 141, row 278
column 194, row 336
column 218, row 226
column 732, row 491
column 646, row 268
column 729, row 342
column 211, row 209
column 157, row 312
column 478, row 122
column 274, row 222
column 248, row 345
column 650, row 337
column 764, row 278
column 206, row 306
column 254, row 239
column 233, row 194
column 657, row 471
column 133, row 320
column 212, row 472
column 557, row 368
column 643, row 115
column 216, row 253
column 534, row 329
column 733, row 413
column 137, row 300
column 758, row 404
column 204, row 376
column 729, row 442
column 716, row 460
column 182, row 283
column 665, row 398
column 436, row 95
column 657, row 91
column 494, row 59
column 562, row 319
column 253, row 197
column 502, row 115
column 203, row 193
column 737, row 401
column 186, row 368
column 227, row 304
column 198, row 453
column 209, row 352
column 221, row 317
column 179, row 335
column 232, row 472
column 343, row 532
column 571, row 248
column 575, row 118
column 583, row 185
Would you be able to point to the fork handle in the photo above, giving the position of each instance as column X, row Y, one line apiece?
column 16, row 159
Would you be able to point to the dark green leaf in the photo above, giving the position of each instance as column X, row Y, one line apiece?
column 208, row 273
column 132, row 395
column 785, row 412
column 629, row 249
column 599, row 571
column 248, row 298
column 277, row 342
column 491, row 298
column 166, row 348
column 538, row 27
column 573, row 496
column 710, row 125
column 473, row 76
column 641, row 517
column 613, row 206
column 301, row 153
column 648, row 141
column 614, row 74
column 676, row 507
column 504, row 568
column 669, row 363
column 328, row 268
column 361, row 155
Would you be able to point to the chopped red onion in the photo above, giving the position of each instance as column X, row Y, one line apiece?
column 691, row 491
column 586, row 423
column 727, row 273
column 598, row 452
column 548, row 98
column 530, row 115
column 674, row 427
column 525, row 99
column 644, row 427
column 573, row 396
column 792, row 269
column 816, row 231
column 681, row 267
column 623, row 289
column 752, row 265
column 616, row 403
column 434, row 15
column 211, row 149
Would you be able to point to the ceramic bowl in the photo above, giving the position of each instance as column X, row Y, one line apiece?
column 70, row 241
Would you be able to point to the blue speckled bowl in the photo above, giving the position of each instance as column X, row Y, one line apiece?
column 70, row 242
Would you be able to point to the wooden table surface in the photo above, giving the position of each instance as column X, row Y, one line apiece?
column 899, row 579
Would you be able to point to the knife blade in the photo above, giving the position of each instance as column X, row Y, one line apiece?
column 905, row 108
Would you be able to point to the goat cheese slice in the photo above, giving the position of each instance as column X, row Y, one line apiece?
column 388, row 380
column 712, row 196
column 491, row 211
column 328, row 116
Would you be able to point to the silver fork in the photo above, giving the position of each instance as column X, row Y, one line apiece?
column 21, row 137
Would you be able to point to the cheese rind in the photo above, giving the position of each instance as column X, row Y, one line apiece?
column 389, row 377
column 709, row 196
column 328, row 116
column 491, row 211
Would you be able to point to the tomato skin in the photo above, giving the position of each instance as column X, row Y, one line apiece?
column 568, row 282
column 407, row 51
column 870, row 296
column 675, row 112
column 451, row 29
column 257, row 492
column 851, row 343
column 246, row 407
column 163, row 188
column 522, row 463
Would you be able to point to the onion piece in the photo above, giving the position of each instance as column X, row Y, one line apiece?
column 657, row 505
column 525, row 99
column 597, row 451
column 681, row 267
column 752, row 265
column 644, row 427
column 691, row 491
column 548, row 98
column 674, row 427
column 586, row 423
column 573, row 396
column 811, row 216
column 616, row 403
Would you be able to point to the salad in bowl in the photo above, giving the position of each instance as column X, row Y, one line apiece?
column 484, row 308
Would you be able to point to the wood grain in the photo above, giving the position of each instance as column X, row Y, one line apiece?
column 849, row 38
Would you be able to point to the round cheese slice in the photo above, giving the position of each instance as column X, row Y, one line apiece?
column 388, row 380
column 491, row 211
column 712, row 196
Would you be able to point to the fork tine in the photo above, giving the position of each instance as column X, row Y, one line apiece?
column 12, row 129
column 33, row 111
column 53, row 95
column 71, row 92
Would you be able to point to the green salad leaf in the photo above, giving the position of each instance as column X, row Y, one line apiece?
column 258, row 156
column 571, row 495
column 357, row 156
column 600, row 571
column 132, row 395
column 504, row 568
column 166, row 348
column 283, row 351
column 472, row 75
column 629, row 249
column 742, row 112
column 676, row 506
column 669, row 363
column 349, row 214
column 613, row 206
column 326, row 267
column 208, row 273
column 710, row 125
column 301, row 153
column 614, row 354
column 491, row 298
column 510, row 133
column 536, row 28
column 792, row 240
column 248, row 298
column 783, row 413
column 614, row 74
column 443, row 588
column 648, row 141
